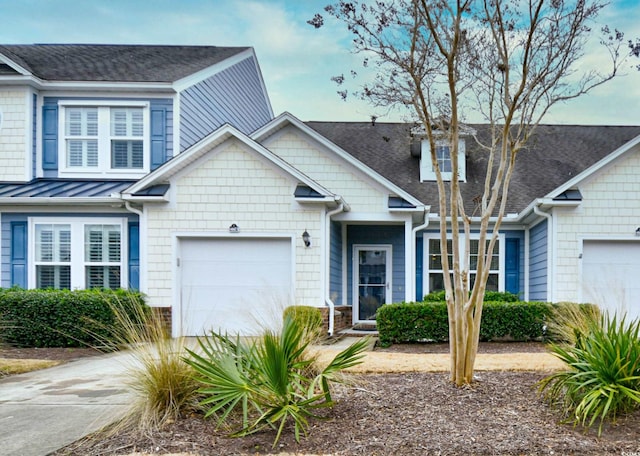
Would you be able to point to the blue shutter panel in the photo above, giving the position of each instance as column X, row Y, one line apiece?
column 512, row 266
column 134, row 256
column 19, row 254
column 419, row 265
column 158, row 136
column 50, row 137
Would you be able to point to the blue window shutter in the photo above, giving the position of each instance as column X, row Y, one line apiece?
column 19, row 254
column 419, row 273
column 158, row 136
column 134, row 256
column 512, row 266
column 50, row 137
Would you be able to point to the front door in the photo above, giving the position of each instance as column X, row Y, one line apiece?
column 372, row 280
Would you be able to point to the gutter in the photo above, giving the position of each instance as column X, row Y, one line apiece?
column 342, row 207
column 414, row 232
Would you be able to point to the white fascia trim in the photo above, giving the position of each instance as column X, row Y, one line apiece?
column 202, row 147
column 19, row 68
column 595, row 167
column 206, row 73
column 286, row 117
column 160, row 87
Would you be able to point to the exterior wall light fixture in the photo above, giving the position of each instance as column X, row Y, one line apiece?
column 306, row 238
column 233, row 228
column 638, row 231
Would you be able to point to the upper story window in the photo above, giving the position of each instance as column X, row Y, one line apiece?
column 443, row 157
column 111, row 139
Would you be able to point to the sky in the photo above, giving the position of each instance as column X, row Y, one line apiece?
column 297, row 61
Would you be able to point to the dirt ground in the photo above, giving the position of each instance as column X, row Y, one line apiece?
column 412, row 412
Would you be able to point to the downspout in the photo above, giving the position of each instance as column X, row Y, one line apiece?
column 414, row 232
column 537, row 211
column 342, row 206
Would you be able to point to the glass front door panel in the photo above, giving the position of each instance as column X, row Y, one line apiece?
column 372, row 282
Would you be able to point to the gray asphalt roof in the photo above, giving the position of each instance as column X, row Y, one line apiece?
column 555, row 154
column 115, row 63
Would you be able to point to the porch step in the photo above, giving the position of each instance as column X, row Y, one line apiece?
column 360, row 331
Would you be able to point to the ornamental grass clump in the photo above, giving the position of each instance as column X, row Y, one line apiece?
column 267, row 382
column 163, row 384
column 602, row 379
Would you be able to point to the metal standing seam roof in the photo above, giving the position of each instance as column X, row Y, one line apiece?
column 60, row 188
column 114, row 63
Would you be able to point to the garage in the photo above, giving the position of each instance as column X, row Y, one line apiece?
column 234, row 285
column 610, row 275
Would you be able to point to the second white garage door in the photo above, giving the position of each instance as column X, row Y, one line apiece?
column 610, row 275
column 234, row 285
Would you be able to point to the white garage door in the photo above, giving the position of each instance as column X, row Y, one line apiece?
column 238, row 285
column 611, row 275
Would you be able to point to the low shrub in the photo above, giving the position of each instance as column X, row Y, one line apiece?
column 568, row 320
column 602, row 379
column 61, row 318
column 428, row 321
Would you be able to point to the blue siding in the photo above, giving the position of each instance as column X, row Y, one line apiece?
column 134, row 255
column 386, row 234
column 50, row 136
column 335, row 262
column 538, row 252
column 233, row 96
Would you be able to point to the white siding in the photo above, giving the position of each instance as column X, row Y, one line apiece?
column 233, row 185
column 14, row 134
column 610, row 210
column 330, row 171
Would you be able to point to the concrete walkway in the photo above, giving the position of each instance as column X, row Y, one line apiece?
column 43, row 411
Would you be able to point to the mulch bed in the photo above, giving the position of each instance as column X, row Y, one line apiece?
column 405, row 414
column 59, row 354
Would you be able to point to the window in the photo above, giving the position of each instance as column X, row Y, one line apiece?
column 443, row 157
column 434, row 277
column 77, row 254
column 104, row 139
column 53, row 256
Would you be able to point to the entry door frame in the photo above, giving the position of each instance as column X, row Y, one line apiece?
column 357, row 248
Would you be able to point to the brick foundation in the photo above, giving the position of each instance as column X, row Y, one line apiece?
column 341, row 318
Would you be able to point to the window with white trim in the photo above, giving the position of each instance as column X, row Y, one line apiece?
column 97, row 139
column 443, row 158
column 77, row 253
column 434, row 272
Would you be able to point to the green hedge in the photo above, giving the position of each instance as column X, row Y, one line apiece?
column 60, row 318
column 494, row 296
column 428, row 321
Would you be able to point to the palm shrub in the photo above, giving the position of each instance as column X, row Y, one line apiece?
column 603, row 375
column 267, row 382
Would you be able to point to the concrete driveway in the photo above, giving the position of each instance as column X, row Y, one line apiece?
column 43, row 411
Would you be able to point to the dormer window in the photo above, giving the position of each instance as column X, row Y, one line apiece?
column 443, row 157
column 104, row 139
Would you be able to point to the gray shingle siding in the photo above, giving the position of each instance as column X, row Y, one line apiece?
column 234, row 96
column 538, row 251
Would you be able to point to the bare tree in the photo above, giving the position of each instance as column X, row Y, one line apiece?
column 507, row 61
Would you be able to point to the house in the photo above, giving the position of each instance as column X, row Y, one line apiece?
column 163, row 169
